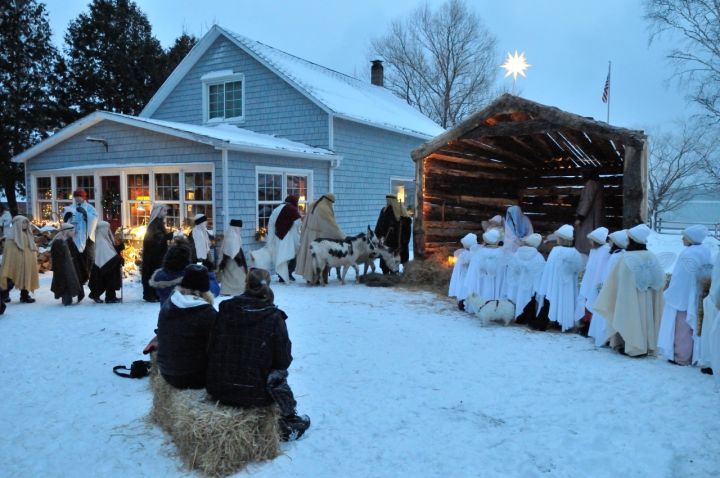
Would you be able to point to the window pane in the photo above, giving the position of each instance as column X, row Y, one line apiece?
column 264, row 211
column 88, row 184
column 215, row 100
column 270, row 187
column 405, row 191
column 44, row 188
column 192, row 209
column 138, row 187
column 173, row 215
column 198, row 186
column 233, row 99
column 139, row 216
column 63, row 184
column 167, row 187
column 45, row 211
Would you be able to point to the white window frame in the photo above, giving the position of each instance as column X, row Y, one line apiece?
column 405, row 180
column 123, row 172
column 221, row 78
column 285, row 172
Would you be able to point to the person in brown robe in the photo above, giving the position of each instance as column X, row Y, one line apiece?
column 319, row 223
column 590, row 211
column 20, row 260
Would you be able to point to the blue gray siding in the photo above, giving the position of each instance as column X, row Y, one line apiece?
column 271, row 105
column 243, row 186
column 371, row 156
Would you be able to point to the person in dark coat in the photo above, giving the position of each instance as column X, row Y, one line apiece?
column 183, row 329
column 165, row 279
column 155, row 246
column 393, row 228
column 68, row 266
column 249, row 352
column 106, row 274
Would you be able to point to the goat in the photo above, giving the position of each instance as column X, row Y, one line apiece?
column 342, row 253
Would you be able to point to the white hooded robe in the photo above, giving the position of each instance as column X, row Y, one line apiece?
column 559, row 284
column 523, row 277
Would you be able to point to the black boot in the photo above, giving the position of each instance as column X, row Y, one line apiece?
column 293, row 426
column 25, row 297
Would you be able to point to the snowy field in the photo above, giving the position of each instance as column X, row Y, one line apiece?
column 397, row 383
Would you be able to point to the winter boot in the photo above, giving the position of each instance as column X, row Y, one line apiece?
column 25, row 297
column 293, row 426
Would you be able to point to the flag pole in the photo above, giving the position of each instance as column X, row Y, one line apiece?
column 609, row 92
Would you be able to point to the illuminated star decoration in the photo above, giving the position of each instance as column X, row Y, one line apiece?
column 515, row 65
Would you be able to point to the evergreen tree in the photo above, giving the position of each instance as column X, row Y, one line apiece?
column 175, row 54
column 27, row 106
column 114, row 61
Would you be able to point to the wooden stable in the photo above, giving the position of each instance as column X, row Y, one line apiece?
column 518, row 152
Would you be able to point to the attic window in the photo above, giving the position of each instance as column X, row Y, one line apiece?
column 224, row 98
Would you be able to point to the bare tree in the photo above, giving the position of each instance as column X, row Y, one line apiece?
column 697, row 53
column 442, row 62
column 678, row 169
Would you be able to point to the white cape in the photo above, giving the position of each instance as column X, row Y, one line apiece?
column 597, row 323
column 683, row 294
column 710, row 339
column 486, row 274
column 559, row 284
column 283, row 250
column 597, row 259
column 523, row 277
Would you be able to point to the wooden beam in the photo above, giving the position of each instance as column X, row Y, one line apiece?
column 634, row 212
column 441, row 170
column 466, row 200
column 472, row 162
column 490, row 150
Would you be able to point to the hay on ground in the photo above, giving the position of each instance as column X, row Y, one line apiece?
column 432, row 274
column 215, row 439
column 380, row 280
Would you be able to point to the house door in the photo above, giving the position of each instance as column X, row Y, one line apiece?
column 111, row 201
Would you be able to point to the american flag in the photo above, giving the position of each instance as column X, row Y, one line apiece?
column 606, row 90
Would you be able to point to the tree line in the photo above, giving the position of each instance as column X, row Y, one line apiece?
column 110, row 61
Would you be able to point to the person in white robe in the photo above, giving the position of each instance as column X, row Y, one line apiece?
column 523, row 278
column 459, row 286
column 201, row 240
column 495, row 222
column 678, row 340
column 517, row 226
column 631, row 298
column 598, row 257
column 84, row 217
column 489, row 265
column 559, row 283
column 462, row 259
column 283, row 236
column 710, row 339
column 233, row 267
column 618, row 243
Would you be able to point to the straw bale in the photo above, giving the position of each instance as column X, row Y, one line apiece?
column 431, row 274
column 215, row 439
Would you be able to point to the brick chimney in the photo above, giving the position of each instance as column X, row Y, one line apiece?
column 376, row 73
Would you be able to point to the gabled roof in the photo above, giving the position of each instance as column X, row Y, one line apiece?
column 220, row 136
column 337, row 94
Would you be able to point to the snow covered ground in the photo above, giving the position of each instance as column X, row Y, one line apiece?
column 397, row 383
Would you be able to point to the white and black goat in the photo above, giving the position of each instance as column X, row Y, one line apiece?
column 342, row 253
column 392, row 260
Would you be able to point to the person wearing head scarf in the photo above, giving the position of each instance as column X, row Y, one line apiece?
column 19, row 263
column 462, row 261
column 486, row 272
column 106, row 273
column 200, row 240
column 517, row 226
column 558, row 290
column 165, row 279
column 598, row 257
column 523, row 278
column 67, row 266
column 249, row 352
column 590, row 212
column 84, row 217
column 319, row 223
column 283, row 238
column 393, row 228
column 155, row 246
column 233, row 266
column 618, row 243
column 678, row 340
column 631, row 300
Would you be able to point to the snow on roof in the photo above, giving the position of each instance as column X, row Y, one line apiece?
column 344, row 95
column 235, row 136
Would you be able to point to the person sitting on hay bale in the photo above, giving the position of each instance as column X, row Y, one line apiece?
column 165, row 279
column 249, row 353
column 183, row 330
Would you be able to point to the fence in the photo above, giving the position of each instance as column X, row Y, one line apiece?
column 670, row 227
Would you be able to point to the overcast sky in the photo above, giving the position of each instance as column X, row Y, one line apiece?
column 567, row 42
